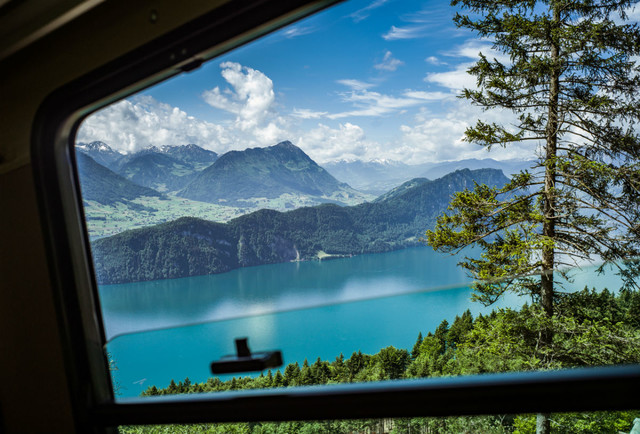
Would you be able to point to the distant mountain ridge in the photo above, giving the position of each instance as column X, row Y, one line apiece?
column 379, row 176
column 250, row 178
column 376, row 176
column 198, row 157
column 189, row 246
column 166, row 168
column 192, row 155
column 104, row 186
column 156, row 170
column 401, row 189
column 264, row 173
column 508, row 167
column 100, row 152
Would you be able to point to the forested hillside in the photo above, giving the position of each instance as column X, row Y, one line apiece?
column 105, row 186
column 189, row 246
column 157, row 170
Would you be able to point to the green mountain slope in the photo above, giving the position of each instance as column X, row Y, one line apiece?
column 377, row 176
column 156, row 170
column 185, row 247
column 189, row 246
column 264, row 173
column 194, row 155
column 399, row 190
column 101, row 153
column 105, row 186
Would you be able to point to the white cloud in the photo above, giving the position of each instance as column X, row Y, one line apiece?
column 131, row 125
column 324, row 143
column 270, row 134
column 436, row 14
column 369, row 103
column 434, row 60
column 356, row 84
column 296, row 31
column 363, row 13
column 435, row 140
column 308, row 114
column 409, row 32
column 251, row 97
column 632, row 12
column 472, row 48
column 389, row 63
column 428, row 96
column 431, row 137
column 458, row 78
column 439, row 137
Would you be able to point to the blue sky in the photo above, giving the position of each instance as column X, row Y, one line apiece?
column 366, row 79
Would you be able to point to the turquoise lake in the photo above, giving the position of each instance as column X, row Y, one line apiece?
column 173, row 329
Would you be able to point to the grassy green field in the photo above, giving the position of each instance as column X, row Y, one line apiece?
column 291, row 201
column 107, row 220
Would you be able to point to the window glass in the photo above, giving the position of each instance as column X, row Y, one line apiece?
column 380, row 192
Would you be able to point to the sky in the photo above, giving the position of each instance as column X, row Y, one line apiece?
column 366, row 80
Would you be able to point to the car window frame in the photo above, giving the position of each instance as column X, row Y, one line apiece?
column 78, row 305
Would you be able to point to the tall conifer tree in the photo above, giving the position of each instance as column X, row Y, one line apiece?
column 573, row 84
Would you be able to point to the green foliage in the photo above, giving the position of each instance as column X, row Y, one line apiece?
column 392, row 363
column 613, row 422
column 416, row 347
column 592, row 329
column 589, row 328
column 572, row 84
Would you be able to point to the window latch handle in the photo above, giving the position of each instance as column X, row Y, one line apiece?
column 246, row 361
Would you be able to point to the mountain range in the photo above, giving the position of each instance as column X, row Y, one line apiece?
column 280, row 176
column 375, row 177
column 198, row 157
column 266, row 173
column 508, row 167
column 165, row 169
column 106, row 187
column 379, row 176
column 100, row 152
column 190, row 246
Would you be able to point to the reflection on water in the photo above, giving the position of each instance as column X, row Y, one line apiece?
column 273, row 288
column 354, row 311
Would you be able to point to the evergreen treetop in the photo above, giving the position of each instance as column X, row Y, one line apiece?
column 572, row 82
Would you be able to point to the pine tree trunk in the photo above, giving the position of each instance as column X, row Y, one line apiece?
column 548, row 228
column 543, row 423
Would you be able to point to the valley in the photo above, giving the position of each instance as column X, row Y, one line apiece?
column 190, row 246
column 149, row 187
column 157, row 185
column 170, row 212
column 106, row 220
